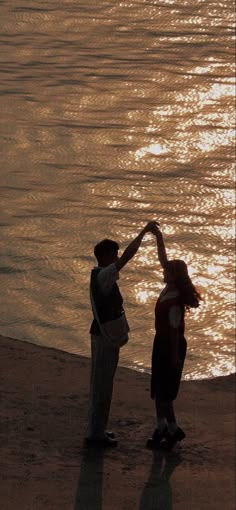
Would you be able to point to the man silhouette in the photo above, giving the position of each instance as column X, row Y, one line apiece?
column 109, row 331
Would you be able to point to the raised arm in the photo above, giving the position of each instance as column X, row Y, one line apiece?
column 161, row 250
column 133, row 247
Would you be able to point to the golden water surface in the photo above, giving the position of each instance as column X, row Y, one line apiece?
column 112, row 114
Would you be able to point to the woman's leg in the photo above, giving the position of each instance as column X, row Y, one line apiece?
column 161, row 415
column 168, row 409
column 165, row 410
column 175, row 433
column 166, row 416
column 161, row 429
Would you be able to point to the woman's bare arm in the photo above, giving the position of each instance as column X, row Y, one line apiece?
column 161, row 249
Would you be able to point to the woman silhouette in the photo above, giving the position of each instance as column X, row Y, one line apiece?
column 169, row 347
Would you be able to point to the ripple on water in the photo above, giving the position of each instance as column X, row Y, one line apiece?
column 113, row 114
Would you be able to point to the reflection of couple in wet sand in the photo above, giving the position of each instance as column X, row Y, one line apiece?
column 109, row 331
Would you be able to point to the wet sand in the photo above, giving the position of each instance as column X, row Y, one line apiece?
column 44, row 466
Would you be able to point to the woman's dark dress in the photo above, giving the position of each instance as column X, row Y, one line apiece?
column 165, row 379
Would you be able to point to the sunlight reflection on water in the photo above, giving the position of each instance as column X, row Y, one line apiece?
column 111, row 115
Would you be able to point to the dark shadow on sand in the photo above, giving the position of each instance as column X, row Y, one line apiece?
column 90, row 485
column 157, row 494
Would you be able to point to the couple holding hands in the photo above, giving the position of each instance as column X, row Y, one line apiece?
column 109, row 331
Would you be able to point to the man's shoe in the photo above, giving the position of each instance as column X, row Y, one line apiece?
column 104, row 442
column 171, row 440
column 155, row 441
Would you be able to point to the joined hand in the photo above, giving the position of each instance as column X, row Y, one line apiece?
column 150, row 226
column 156, row 231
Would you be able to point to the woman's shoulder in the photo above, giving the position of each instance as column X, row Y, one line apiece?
column 169, row 295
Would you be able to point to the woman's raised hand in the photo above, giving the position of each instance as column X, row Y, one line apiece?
column 156, row 231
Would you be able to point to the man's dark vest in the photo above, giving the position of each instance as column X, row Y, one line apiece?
column 108, row 307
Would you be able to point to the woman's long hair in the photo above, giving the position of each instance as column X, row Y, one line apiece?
column 179, row 271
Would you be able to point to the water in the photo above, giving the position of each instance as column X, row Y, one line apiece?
column 113, row 114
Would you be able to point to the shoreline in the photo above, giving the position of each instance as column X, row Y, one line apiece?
column 145, row 370
column 44, row 396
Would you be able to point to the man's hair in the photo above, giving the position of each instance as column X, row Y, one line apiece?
column 105, row 247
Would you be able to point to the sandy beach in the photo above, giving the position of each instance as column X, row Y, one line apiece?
column 44, row 466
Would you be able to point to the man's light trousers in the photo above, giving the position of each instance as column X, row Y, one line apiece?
column 104, row 361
